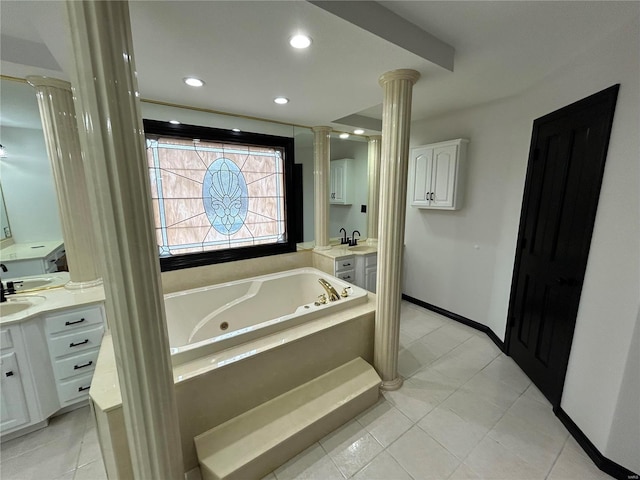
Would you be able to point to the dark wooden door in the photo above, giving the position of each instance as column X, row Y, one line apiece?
column 566, row 164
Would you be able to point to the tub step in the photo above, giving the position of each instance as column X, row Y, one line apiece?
column 253, row 444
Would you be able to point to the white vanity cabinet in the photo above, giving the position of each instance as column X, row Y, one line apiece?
column 345, row 269
column 25, row 259
column 28, row 395
column 367, row 271
column 339, row 178
column 436, row 175
column 74, row 338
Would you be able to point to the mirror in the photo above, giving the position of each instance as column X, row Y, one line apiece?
column 5, row 229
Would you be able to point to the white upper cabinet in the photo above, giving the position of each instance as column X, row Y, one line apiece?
column 339, row 186
column 435, row 175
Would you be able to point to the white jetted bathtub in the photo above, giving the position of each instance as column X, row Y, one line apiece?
column 207, row 320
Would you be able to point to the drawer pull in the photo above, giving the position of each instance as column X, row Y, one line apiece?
column 82, row 389
column 86, row 340
column 9, row 374
column 346, row 264
column 88, row 364
column 347, row 277
column 66, row 324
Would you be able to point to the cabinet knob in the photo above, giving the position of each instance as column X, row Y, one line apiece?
column 9, row 373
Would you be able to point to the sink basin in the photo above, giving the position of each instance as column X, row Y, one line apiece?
column 17, row 305
column 362, row 248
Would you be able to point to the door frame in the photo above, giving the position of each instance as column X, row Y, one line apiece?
column 610, row 95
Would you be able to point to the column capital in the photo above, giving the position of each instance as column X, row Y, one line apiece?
column 39, row 81
column 401, row 74
column 373, row 138
column 321, row 129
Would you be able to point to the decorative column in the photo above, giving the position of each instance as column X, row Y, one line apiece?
column 374, row 188
column 63, row 147
column 396, row 123
column 321, row 165
column 112, row 139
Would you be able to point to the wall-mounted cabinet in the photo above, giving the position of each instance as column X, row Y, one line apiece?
column 338, row 185
column 436, row 173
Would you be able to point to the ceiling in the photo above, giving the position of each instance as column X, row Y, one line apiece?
column 240, row 49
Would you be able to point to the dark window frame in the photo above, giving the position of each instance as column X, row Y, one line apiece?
column 188, row 260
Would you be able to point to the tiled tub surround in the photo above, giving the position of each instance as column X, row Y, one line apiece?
column 210, row 319
column 493, row 425
column 217, row 387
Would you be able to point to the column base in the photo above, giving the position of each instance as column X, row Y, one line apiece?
column 83, row 285
column 322, row 248
column 391, row 385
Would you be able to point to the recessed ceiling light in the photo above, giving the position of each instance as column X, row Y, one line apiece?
column 281, row 100
column 235, row 129
column 358, row 131
column 174, row 122
column 193, row 81
column 344, row 135
column 300, row 41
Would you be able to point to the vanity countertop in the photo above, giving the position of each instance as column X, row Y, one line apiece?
column 340, row 251
column 30, row 250
column 49, row 300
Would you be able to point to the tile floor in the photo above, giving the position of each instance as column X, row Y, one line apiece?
column 465, row 411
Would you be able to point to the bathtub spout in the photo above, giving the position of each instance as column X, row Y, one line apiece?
column 331, row 292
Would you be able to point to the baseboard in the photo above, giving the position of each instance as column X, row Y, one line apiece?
column 458, row 318
column 603, row 463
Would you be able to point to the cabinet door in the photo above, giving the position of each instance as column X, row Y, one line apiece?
column 420, row 189
column 13, row 404
column 370, row 275
column 338, row 183
column 443, row 176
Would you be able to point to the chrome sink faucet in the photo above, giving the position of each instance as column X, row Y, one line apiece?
column 331, row 292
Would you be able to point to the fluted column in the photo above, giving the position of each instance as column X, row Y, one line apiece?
column 373, row 164
column 112, row 138
column 321, row 166
column 396, row 123
column 63, row 147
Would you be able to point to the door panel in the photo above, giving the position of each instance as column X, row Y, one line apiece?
column 566, row 164
column 444, row 165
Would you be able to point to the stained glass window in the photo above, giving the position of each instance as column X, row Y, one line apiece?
column 211, row 195
column 220, row 195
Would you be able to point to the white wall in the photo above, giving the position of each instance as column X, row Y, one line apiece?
column 27, row 183
column 462, row 261
column 349, row 217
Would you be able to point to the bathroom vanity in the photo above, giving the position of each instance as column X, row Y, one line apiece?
column 357, row 264
column 48, row 352
column 34, row 258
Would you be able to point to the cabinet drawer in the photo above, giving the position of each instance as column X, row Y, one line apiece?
column 347, row 275
column 5, row 339
column 347, row 263
column 76, row 365
column 68, row 321
column 74, row 389
column 75, row 342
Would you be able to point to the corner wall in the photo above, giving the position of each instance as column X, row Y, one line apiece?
column 463, row 261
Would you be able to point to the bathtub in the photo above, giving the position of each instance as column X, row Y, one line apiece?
column 206, row 320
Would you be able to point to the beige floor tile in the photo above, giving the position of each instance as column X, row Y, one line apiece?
column 505, row 370
column 491, row 390
column 574, row 464
column 538, row 416
column 464, row 472
column 313, row 463
column 493, row 461
column 423, row 457
column 90, row 448
column 351, row 447
column 416, row 356
column 474, row 409
column 414, row 399
column 91, row 471
column 385, row 422
column 452, row 431
column 383, row 467
column 533, row 393
column 533, row 446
